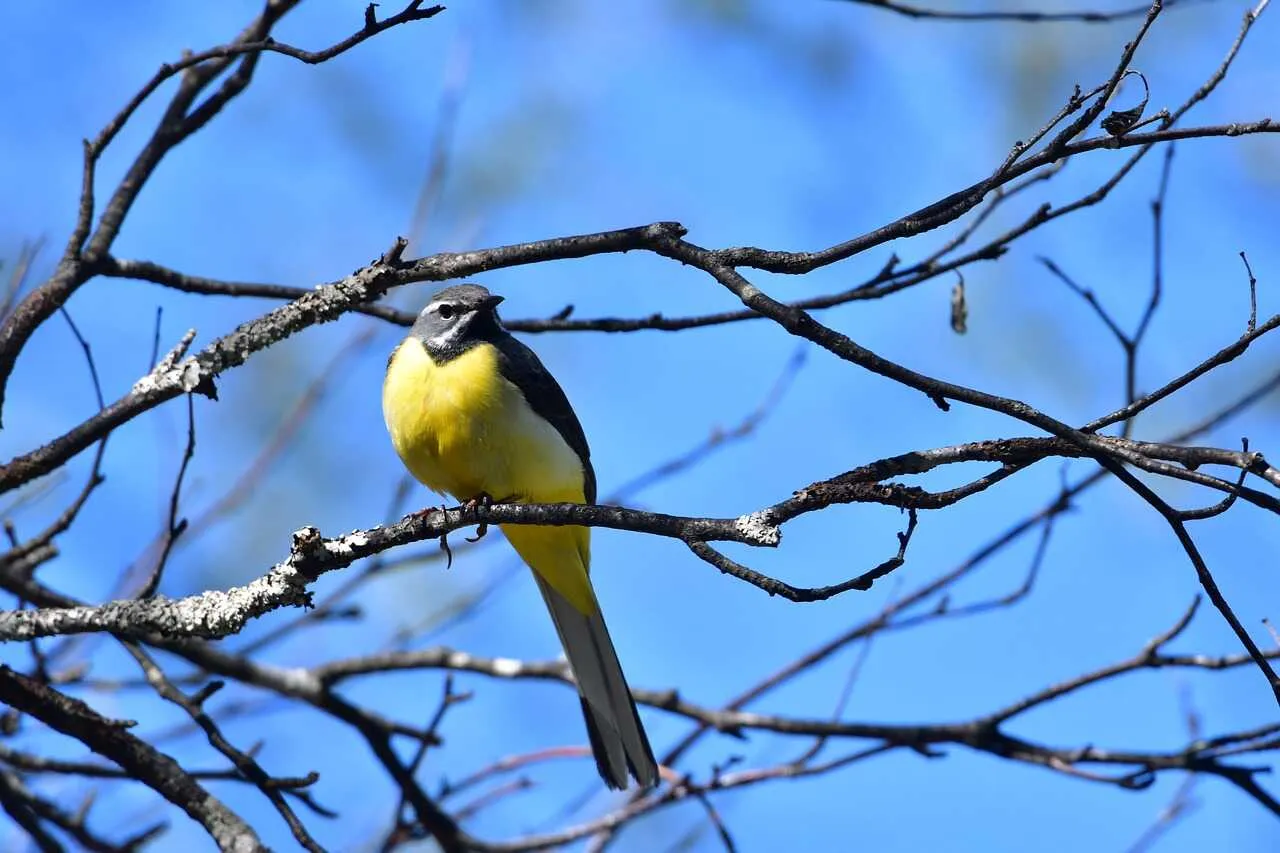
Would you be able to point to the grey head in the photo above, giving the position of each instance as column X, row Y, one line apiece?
column 456, row 319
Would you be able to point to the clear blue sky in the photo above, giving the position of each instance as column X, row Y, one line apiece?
column 787, row 126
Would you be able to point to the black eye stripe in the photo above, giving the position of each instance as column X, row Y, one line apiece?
column 445, row 311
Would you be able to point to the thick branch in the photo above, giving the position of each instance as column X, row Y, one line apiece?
column 317, row 306
column 110, row 739
column 217, row 614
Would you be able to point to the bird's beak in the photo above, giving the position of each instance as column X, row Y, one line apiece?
column 490, row 302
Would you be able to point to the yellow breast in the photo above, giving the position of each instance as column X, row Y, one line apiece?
column 462, row 429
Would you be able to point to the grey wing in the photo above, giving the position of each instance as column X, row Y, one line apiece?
column 545, row 396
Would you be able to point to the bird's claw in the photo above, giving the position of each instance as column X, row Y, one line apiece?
column 481, row 500
column 444, row 537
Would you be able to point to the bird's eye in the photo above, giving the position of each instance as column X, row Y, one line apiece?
column 445, row 311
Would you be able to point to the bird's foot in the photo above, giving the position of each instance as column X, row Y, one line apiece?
column 444, row 537
column 484, row 499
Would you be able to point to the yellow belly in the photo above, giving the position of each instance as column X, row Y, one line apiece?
column 462, row 429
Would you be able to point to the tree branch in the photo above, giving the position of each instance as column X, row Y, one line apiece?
column 143, row 762
column 181, row 118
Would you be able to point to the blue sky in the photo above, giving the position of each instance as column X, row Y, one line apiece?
column 789, row 126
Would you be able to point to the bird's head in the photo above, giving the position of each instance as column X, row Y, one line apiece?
column 456, row 318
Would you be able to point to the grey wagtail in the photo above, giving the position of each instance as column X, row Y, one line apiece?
column 474, row 414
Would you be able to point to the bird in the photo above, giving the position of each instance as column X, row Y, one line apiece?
column 473, row 414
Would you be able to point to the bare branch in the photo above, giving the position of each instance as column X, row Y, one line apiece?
column 110, row 739
column 317, row 306
column 245, row 764
column 199, row 86
column 181, row 118
column 1022, row 17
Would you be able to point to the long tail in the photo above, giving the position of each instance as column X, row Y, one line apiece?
column 617, row 737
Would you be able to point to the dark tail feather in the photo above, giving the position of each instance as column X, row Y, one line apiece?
column 609, row 762
column 618, row 739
